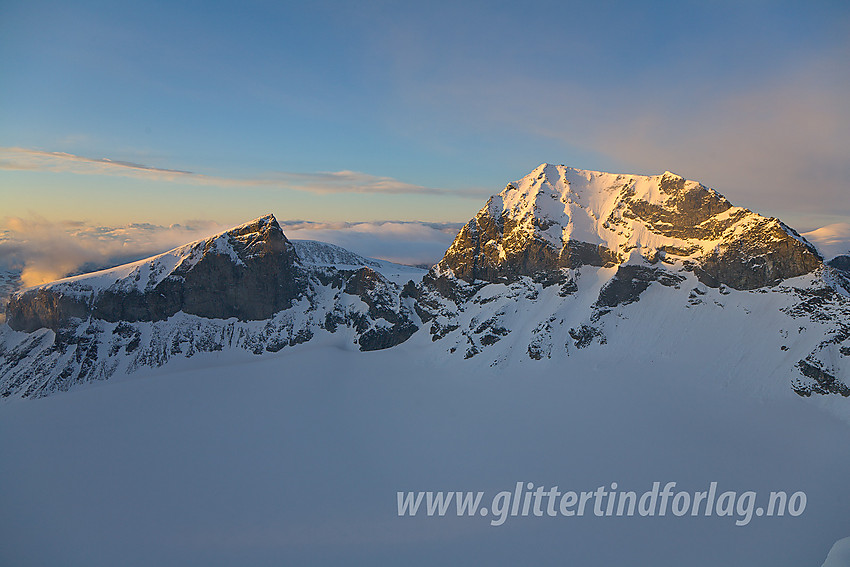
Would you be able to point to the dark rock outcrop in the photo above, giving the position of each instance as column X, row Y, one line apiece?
column 631, row 281
column 840, row 263
column 382, row 298
column 250, row 272
column 687, row 212
column 40, row 307
column 822, row 382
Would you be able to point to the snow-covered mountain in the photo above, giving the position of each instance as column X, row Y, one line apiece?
column 583, row 330
column 560, row 261
column 248, row 288
column 559, row 217
column 564, row 258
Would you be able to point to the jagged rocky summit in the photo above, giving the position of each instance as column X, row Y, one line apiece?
column 563, row 262
column 250, row 272
column 583, row 249
column 560, row 217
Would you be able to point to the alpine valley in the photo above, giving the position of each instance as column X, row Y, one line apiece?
column 251, row 397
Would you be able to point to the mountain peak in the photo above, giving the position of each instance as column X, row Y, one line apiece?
column 260, row 225
column 562, row 217
column 248, row 272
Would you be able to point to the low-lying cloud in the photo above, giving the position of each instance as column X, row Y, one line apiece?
column 831, row 240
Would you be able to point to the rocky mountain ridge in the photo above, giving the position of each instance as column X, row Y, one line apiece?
column 247, row 288
column 561, row 262
column 560, row 217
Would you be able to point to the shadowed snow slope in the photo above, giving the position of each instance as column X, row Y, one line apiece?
column 839, row 555
column 296, row 458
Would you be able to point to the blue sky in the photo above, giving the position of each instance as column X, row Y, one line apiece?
column 331, row 111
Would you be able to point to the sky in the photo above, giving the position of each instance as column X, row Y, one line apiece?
column 214, row 113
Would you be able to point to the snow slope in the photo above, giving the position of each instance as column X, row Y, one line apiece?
column 314, row 253
column 295, row 458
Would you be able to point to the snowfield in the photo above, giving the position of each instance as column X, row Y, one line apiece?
column 296, row 457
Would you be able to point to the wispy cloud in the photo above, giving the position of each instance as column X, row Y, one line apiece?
column 778, row 143
column 346, row 181
column 831, row 240
column 60, row 162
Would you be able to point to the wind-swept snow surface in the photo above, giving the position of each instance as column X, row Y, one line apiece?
column 839, row 555
column 296, row 458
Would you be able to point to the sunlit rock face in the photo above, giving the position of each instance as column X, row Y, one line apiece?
column 559, row 217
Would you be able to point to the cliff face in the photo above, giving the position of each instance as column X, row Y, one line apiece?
column 249, row 272
column 766, row 253
column 494, row 249
column 558, row 217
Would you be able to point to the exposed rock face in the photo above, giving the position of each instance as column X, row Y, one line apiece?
column 821, row 381
column 558, row 217
column 494, row 249
column 685, row 210
column 767, row 253
column 250, row 272
column 43, row 307
column 841, row 263
column 630, row 281
column 383, row 300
